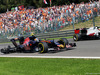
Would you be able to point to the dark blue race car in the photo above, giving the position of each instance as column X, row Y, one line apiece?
column 33, row 44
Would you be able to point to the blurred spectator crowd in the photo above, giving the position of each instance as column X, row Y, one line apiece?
column 48, row 19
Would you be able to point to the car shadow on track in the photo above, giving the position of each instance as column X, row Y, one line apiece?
column 57, row 51
column 49, row 52
column 89, row 39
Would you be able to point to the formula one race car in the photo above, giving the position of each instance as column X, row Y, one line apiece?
column 84, row 33
column 33, row 44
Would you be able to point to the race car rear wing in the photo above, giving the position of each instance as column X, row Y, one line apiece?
column 77, row 31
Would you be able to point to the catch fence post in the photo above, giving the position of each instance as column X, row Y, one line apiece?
column 73, row 23
column 93, row 20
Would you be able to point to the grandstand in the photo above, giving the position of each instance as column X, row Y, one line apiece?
column 43, row 20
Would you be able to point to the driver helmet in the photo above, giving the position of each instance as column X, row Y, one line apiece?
column 36, row 39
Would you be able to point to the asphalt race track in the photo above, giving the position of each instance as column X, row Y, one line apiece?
column 87, row 48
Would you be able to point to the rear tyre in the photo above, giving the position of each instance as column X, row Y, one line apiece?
column 64, row 42
column 43, row 47
column 76, row 37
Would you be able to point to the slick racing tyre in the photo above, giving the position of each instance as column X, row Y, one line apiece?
column 99, row 36
column 63, row 41
column 76, row 37
column 43, row 47
column 5, row 51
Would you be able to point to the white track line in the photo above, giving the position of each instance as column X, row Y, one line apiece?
column 54, row 57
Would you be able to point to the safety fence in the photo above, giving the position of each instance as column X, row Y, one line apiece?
column 55, row 34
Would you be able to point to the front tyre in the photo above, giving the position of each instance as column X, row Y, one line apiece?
column 43, row 47
column 5, row 51
column 76, row 37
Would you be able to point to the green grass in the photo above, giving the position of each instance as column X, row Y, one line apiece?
column 44, row 66
column 86, row 24
column 58, row 38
